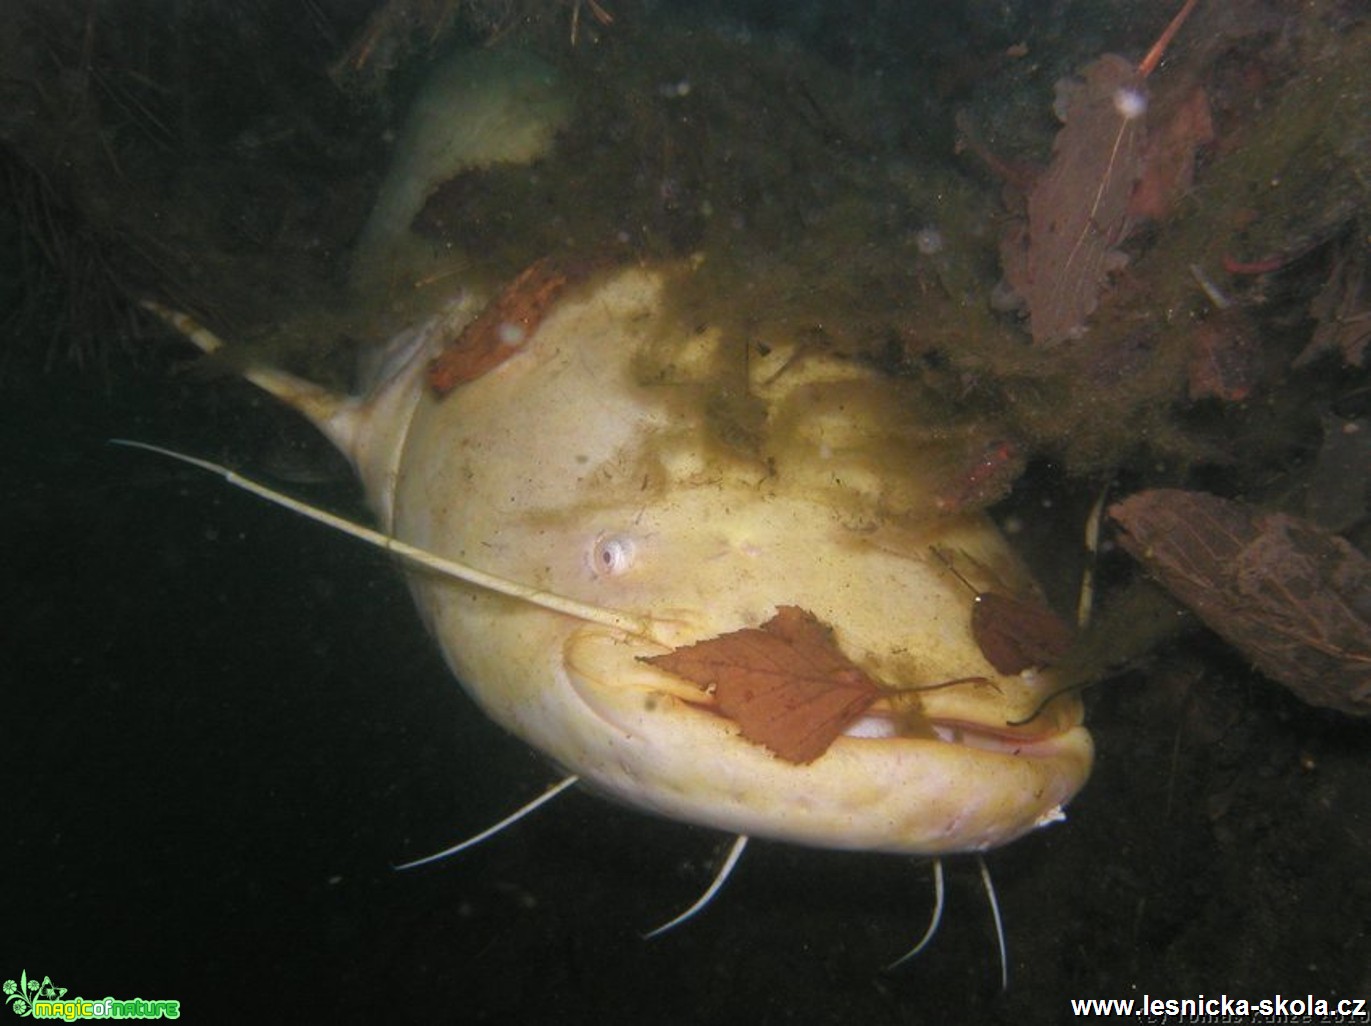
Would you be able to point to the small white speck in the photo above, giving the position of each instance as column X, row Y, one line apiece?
column 511, row 334
column 1052, row 815
column 1130, row 103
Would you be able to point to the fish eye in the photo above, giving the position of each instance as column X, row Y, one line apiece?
column 611, row 555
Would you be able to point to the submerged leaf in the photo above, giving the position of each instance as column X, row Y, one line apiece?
column 787, row 684
column 1078, row 210
column 1295, row 599
column 1343, row 312
column 1014, row 635
column 1183, row 125
column 1225, row 357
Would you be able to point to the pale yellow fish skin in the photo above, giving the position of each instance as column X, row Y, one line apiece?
column 598, row 436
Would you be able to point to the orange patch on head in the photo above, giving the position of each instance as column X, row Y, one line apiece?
column 501, row 329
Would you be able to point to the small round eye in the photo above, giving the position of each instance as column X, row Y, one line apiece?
column 611, row 555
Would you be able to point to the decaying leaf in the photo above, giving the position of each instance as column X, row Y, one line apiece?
column 1168, row 163
column 1014, row 635
column 787, row 684
column 1343, row 313
column 1225, row 357
column 1078, row 210
column 1295, row 599
column 1337, row 492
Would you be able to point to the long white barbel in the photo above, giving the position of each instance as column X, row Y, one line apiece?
column 491, row 831
column 734, row 854
column 641, row 626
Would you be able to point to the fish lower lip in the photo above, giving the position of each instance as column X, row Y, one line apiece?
column 1008, row 740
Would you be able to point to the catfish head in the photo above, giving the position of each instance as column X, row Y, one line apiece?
column 636, row 487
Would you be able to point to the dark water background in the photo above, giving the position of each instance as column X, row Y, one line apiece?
column 222, row 726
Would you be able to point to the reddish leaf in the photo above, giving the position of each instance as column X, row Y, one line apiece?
column 985, row 481
column 1225, row 357
column 1168, row 165
column 1014, row 635
column 1295, row 599
column 1078, row 210
column 787, row 684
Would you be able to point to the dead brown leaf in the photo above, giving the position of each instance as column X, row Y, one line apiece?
column 1168, row 164
column 787, row 684
column 1225, row 357
column 1014, row 635
column 1342, row 310
column 985, row 480
column 1295, row 599
column 1078, row 209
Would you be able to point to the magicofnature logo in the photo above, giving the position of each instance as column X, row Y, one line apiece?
column 39, row 999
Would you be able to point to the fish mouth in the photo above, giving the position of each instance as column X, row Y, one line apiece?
column 609, row 676
column 965, row 776
column 1005, row 737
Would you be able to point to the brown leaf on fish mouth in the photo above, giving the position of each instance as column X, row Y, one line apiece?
column 786, row 684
